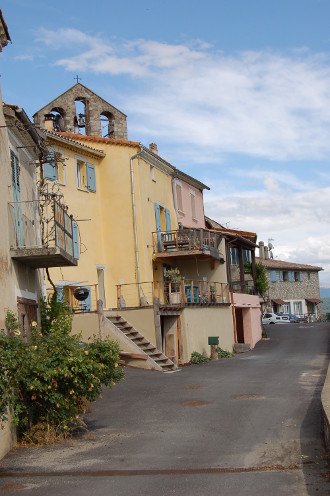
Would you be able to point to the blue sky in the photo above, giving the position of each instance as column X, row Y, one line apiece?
column 234, row 92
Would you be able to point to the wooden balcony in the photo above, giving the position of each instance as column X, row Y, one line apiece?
column 41, row 235
column 186, row 293
column 184, row 243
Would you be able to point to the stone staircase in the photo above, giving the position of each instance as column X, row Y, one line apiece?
column 156, row 358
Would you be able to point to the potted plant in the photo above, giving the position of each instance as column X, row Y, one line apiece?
column 173, row 276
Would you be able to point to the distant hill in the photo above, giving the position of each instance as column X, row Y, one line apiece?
column 325, row 292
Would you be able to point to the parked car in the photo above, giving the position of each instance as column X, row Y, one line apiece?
column 294, row 319
column 273, row 318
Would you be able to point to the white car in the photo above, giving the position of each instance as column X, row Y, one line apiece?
column 272, row 318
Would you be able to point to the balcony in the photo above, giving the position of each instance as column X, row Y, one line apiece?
column 187, row 243
column 186, row 293
column 41, row 234
column 244, row 288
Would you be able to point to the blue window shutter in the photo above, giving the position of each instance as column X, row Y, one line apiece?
column 158, row 226
column 168, row 219
column 301, row 277
column 281, row 276
column 291, row 276
column 91, row 180
column 273, row 275
column 75, row 235
column 49, row 167
column 289, row 307
column 59, row 294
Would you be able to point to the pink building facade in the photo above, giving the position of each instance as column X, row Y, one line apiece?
column 188, row 200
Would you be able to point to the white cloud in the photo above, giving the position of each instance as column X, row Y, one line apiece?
column 262, row 103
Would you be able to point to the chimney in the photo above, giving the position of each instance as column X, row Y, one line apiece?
column 153, row 148
column 49, row 122
column 261, row 249
column 266, row 253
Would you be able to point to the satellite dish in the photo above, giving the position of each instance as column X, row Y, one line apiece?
column 59, row 122
column 270, row 246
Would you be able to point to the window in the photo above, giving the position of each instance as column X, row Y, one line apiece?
column 247, row 256
column 234, row 256
column 54, row 165
column 291, row 276
column 281, row 276
column 85, row 175
column 178, row 190
column 285, row 308
column 297, row 307
column 152, row 173
column 273, row 276
column 193, row 204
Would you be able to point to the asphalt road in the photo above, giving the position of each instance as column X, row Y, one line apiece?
column 249, row 425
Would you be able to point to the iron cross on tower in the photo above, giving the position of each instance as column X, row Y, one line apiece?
column 77, row 78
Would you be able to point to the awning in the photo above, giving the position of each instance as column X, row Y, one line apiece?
column 313, row 300
column 279, row 302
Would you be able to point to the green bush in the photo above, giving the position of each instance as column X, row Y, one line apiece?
column 197, row 358
column 224, row 354
column 48, row 379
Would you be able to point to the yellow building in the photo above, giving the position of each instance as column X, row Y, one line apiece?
column 125, row 197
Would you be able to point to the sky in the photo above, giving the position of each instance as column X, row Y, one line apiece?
column 235, row 93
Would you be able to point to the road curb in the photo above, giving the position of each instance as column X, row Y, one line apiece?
column 325, row 399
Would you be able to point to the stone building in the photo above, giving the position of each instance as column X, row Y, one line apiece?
column 293, row 288
column 78, row 110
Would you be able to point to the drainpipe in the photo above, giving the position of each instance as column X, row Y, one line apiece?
column 134, row 222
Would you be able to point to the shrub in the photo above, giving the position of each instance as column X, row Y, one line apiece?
column 46, row 381
column 197, row 358
column 224, row 354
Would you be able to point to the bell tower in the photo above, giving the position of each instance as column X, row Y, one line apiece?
column 81, row 111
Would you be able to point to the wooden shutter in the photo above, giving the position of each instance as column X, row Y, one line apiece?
column 75, row 235
column 91, row 180
column 49, row 166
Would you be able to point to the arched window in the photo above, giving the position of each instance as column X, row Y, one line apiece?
column 107, row 124
column 80, row 117
column 58, row 118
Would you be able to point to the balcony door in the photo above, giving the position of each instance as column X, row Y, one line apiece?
column 163, row 222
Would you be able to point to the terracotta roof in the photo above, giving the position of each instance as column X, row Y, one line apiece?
column 281, row 264
column 218, row 227
column 98, row 139
column 59, row 136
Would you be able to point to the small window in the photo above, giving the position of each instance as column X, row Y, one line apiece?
column 247, row 256
column 178, row 190
column 81, row 175
column 54, row 165
column 85, row 175
column 152, row 173
column 234, row 256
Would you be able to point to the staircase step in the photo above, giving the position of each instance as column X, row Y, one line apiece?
column 145, row 346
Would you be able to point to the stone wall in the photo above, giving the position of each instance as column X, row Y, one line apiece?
column 94, row 107
column 308, row 288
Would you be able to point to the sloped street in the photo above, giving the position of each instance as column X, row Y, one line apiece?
column 246, row 425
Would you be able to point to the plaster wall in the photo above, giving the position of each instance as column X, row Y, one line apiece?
column 198, row 324
column 107, row 227
column 251, row 317
column 186, row 215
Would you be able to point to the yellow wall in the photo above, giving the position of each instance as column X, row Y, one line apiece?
column 198, row 324
column 105, row 218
